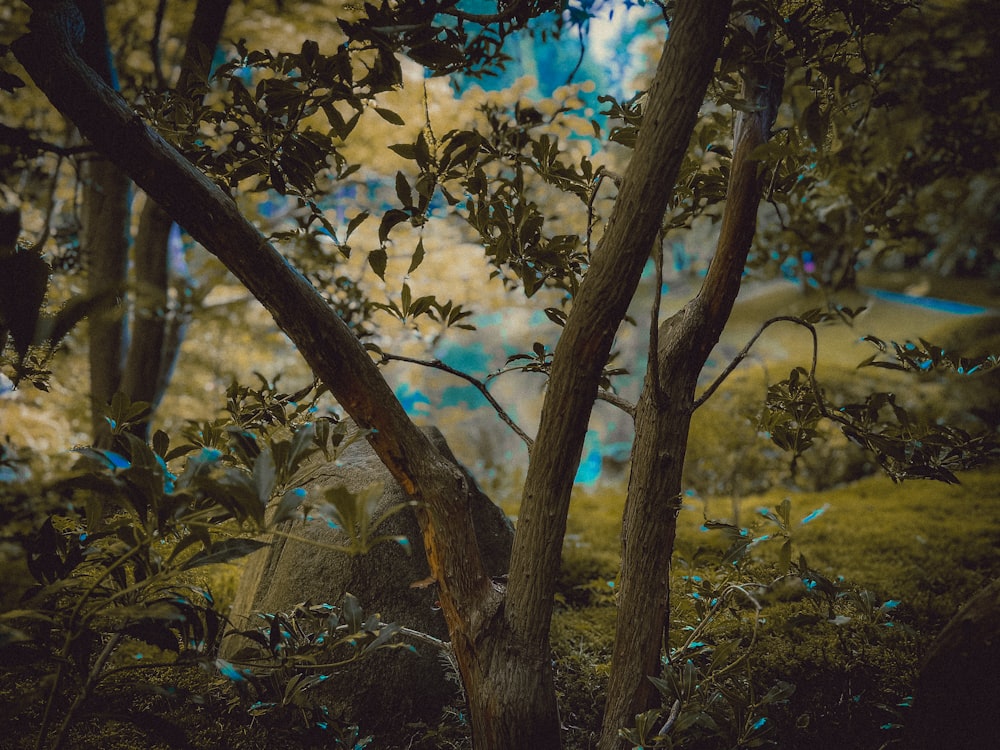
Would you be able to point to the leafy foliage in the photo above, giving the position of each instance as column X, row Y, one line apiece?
column 710, row 684
column 117, row 560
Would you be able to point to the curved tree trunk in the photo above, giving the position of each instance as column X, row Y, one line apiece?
column 663, row 418
column 501, row 643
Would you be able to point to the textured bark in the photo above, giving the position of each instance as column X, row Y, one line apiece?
column 662, row 421
column 141, row 380
column 107, row 197
column 675, row 96
column 157, row 330
column 106, row 209
column 502, row 646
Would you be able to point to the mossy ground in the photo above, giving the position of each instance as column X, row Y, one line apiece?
column 926, row 545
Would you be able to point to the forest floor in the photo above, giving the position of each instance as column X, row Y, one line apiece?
column 919, row 550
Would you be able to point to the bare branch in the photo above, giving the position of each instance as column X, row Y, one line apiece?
column 615, row 400
column 21, row 139
column 437, row 364
column 484, row 19
column 707, row 394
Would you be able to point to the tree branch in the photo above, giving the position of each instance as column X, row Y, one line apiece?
column 437, row 364
column 615, row 400
column 21, row 139
column 707, row 394
column 212, row 218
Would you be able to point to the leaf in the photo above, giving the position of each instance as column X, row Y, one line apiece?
column 556, row 315
column 155, row 633
column 780, row 691
column 289, row 503
column 223, row 552
column 406, row 150
column 389, row 116
column 264, row 475
column 403, row 191
column 405, row 297
column 418, row 256
column 352, row 613
column 436, row 55
column 377, row 259
column 385, row 633
column 356, row 222
column 391, row 218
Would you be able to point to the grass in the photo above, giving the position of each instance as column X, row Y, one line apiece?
column 926, row 545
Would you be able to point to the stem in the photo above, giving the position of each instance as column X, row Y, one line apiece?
column 707, row 394
column 88, row 686
column 68, row 640
column 479, row 385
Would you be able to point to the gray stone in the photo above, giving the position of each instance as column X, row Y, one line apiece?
column 392, row 687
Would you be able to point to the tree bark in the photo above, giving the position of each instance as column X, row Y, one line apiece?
column 158, row 331
column 141, row 380
column 107, row 197
column 675, row 96
column 663, row 417
column 501, row 645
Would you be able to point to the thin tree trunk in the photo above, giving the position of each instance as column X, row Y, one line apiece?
column 106, row 202
column 663, row 418
column 146, row 353
column 675, row 96
column 158, row 331
column 501, row 645
column 107, row 197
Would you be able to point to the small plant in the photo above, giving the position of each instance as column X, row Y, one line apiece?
column 120, row 546
column 290, row 655
column 713, row 693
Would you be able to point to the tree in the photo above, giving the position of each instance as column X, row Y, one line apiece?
column 499, row 631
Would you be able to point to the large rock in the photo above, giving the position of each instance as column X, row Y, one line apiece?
column 957, row 703
column 392, row 687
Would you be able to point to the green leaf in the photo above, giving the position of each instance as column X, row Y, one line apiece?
column 436, row 55
column 355, row 223
column 289, row 503
column 224, row 552
column 403, row 191
column 352, row 613
column 389, row 116
column 264, row 475
column 405, row 297
column 406, row 150
column 377, row 259
column 391, row 218
column 418, row 256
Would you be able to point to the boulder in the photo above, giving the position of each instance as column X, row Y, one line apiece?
column 392, row 687
column 957, row 699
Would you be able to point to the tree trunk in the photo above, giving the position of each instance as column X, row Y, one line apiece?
column 502, row 645
column 107, row 197
column 106, row 201
column 675, row 96
column 145, row 361
column 158, row 331
column 663, row 418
